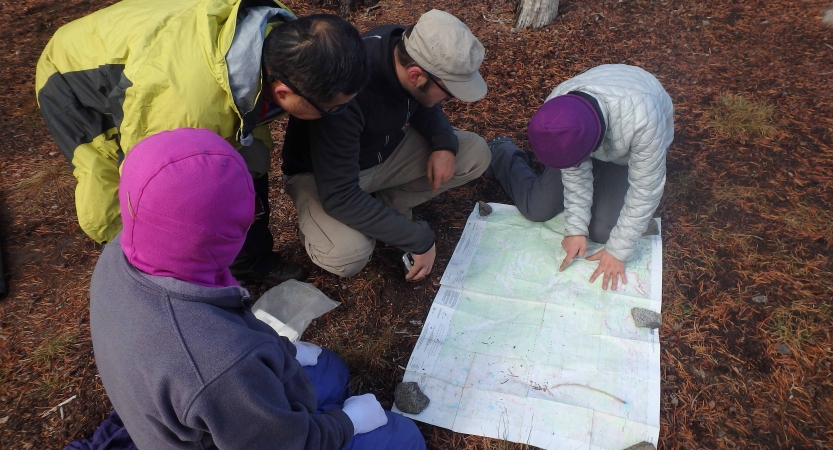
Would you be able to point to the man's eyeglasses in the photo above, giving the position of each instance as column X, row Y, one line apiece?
column 260, row 210
column 337, row 109
column 439, row 85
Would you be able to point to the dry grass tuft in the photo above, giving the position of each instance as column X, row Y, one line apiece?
column 735, row 116
column 51, row 177
column 367, row 352
column 55, row 349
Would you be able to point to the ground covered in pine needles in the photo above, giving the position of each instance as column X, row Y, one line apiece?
column 747, row 223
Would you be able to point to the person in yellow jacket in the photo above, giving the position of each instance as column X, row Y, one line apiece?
column 108, row 80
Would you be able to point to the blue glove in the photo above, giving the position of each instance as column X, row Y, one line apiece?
column 306, row 353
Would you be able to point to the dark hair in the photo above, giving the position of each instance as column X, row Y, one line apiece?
column 322, row 55
column 402, row 54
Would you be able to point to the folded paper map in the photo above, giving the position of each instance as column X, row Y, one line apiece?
column 514, row 349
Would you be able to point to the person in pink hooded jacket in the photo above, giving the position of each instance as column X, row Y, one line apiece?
column 183, row 359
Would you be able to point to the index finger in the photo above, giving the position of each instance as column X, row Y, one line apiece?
column 567, row 260
column 435, row 183
column 420, row 273
column 412, row 273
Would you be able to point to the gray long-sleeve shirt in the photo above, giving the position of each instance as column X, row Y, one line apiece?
column 189, row 367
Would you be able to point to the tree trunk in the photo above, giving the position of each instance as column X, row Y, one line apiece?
column 536, row 13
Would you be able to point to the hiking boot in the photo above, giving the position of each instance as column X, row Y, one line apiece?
column 495, row 144
column 270, row 270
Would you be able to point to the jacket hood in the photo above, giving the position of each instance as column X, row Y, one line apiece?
column 187, row 201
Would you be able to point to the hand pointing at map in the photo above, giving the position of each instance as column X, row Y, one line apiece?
column 574, row 246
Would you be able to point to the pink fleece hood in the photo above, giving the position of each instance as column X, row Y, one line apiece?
column 187, row 201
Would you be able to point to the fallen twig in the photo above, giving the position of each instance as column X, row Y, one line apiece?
column 590, row 387
column 367, row 11
column 495, row 20
column 58, row 406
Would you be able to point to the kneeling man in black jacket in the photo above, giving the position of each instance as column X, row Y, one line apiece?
column 356, row 173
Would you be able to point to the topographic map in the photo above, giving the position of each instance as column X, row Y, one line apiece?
column 514, row 349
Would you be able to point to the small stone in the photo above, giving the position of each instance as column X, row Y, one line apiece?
column 674, row 400
column 409, row 398
column 4, row 420
column 513, row 30
column 706, row 23
column 827, row 17
column 759, row 299
column 483, row 208
column 646, row 318
column 652, row 230
column 783, row 349
column 642, row 446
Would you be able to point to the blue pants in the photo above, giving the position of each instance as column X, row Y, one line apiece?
column 110, row 435
column 331, row 379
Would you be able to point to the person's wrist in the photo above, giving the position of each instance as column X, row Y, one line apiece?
column 426, row 251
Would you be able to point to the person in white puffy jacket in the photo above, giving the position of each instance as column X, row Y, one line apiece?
column 614, row 122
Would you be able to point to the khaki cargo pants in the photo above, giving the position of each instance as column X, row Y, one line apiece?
column 400, row 182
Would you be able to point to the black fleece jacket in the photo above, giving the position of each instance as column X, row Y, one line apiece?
column 336, row 148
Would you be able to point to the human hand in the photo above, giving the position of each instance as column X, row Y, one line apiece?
column 610, row 267
column 440, row 168
column 422, row 264
column 365, row 412
column 574, row 246
column 306, row 353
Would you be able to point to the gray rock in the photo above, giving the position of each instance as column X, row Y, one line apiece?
column 759, row 299
column 646, row 318
column 513, row 30
column 827, row 17
column 642, row 446
column 409, row 398
column 483, row 208
column 783, row 349
column 652, row 230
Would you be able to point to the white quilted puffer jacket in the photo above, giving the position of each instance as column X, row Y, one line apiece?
column 640, row 127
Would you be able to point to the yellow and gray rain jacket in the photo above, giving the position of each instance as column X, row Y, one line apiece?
column 108, row 80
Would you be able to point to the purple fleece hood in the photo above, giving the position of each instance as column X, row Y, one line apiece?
column 187, row 201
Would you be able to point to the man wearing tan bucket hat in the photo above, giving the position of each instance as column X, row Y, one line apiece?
column 355, row 177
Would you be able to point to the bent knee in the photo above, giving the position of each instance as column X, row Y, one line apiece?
column 599, row 232
column 474, row 155
column 344, row 261
column 539, row 213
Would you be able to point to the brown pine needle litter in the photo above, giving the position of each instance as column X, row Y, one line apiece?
column 735, row 116
column 746, row 215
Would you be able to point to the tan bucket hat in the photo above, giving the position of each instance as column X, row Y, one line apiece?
column 445, row 47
